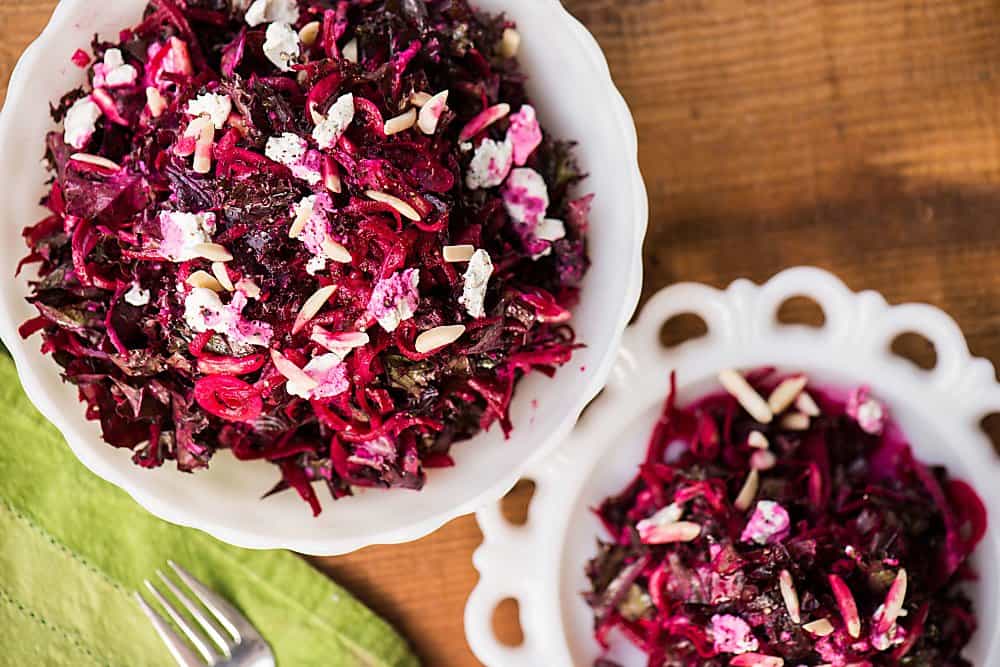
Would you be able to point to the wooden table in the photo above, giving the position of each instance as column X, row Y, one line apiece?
column 861, row 136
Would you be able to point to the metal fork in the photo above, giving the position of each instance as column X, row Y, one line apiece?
column 235, row 644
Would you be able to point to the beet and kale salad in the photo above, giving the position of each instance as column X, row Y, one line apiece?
column 328, row 234
column 797, row 529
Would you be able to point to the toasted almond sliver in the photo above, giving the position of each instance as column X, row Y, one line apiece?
column 458, row 253
column 292, row 372
column 333, row 183
column 749, row 491
column 806, row 404
column 317, row 117
column 510, row 43
column 795, row 421
column 893, row 607
column 786, row 393
column 350, row 51
column 430, row 115
column 155, row 102
column 820, row 627
column 401, row 123
column 96, row 160
column 438, row 337
column 790, row 596
column 212, row 252
column 748, row 397
column 336, row 252
column 679, row 531
column 203, row 149
column 763, row 459
column 309, row 33
column 401, row 206
column 206, row 280
column 758, row 440
column 222, row 275
column 312, row 306
column 249, row 287
column 419, row 98
column 305, row 212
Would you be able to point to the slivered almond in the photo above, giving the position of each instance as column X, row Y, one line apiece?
column 795, row 421
column 336, row 252
column 758, row 440
column 458, row 253
column 679, row 531
column 430, row 114
column 401, row 123
column 309, row 33
column 203, row 149
column 205, row 280
column 763, row 459
column 790, row 596
column 339, row 342
column 292, row 372
column 820, row 627
column 749, row 491
column 350, row 51
column 312, row 306
column 510, row 43
column 401, row 206
column 438, row 337
column 847, row 604
column 304, row 212
column 786, row 393
column 807, row 405
column 752, row 402
column 316, row 116
column 96, row 160
column 154, row 100
column 213, row 252
column 893, row 607
column 221, row 274
column 419, row 99
column 756, row 660
column 248, row 287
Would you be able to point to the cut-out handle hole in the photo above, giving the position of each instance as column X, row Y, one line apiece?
column 682, row 328
column 916, row 349
column 514, row 505
column 507, row 623
column 991, row 427
column 801, row 310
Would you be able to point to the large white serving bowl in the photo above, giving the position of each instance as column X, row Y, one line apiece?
column 576, row 98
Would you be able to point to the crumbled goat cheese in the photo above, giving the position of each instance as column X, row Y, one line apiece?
column 332, row 126
column 268, row 11
column 525, row 134
column 328, row 371
column 182, row 232
column 287, row 148
column 731, row 634
column 113, row 72
column 204, row 311
column 770, row 523
column 490, row 165
column 315, row 264
column 282, row 46
column 395, row 299
column 137, row 296
column 215, row 106
column 81, row 122
column 476, row 280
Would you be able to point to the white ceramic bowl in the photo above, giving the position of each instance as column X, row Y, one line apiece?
column 576, row 98
column 541, row 564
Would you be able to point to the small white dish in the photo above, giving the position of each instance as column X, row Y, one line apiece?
column 541, row 564
column 576, row 99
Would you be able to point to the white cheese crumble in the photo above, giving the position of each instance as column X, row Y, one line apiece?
column 137, row 296
column 316, row 264
column 116, row 72
column 549, row 229
column 268, row 11
column 182, row 232
column 215, row 106
column 318, row 368
column 287, row 148
column 202, row 309
column 477, row 277
column 282, row 45
column 490, row 165
column 81, row 122
column 331, row 126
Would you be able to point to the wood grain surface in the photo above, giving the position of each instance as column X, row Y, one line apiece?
column 857, row 135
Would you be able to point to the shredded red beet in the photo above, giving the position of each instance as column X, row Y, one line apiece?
column 816, row 538
column 331, row 235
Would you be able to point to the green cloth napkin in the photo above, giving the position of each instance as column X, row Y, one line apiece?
column 73, row 548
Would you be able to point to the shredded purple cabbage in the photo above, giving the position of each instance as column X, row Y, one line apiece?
column 228, row 163
column 814, row 539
